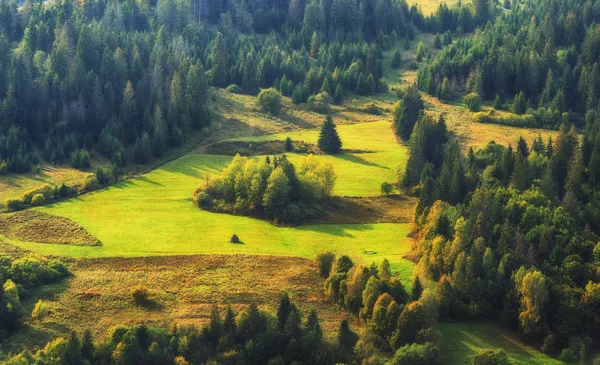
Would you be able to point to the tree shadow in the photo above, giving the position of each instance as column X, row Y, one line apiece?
column 340, row 230
column 359, row 160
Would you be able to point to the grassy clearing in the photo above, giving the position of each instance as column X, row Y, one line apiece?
column 182, row 291
column 13, row 185
column 430, row 6
column 171, row 225
column 461, row 341
column 478, row 135
column 359, row 174
column 40, row 227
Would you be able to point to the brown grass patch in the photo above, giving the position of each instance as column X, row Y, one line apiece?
column 31, row 226
column 359, row 210
column 184, row 289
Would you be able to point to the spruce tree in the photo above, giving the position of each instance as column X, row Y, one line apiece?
column 417, row 289
column 329, row 140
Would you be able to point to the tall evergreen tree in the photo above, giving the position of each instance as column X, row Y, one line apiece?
column 329, row 140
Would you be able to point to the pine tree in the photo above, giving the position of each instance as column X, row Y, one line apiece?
column 520, row 104
column 329, row 140
column 314, row 45
column 406, row 112
column 338, row 97
column 417, row 289
column 396, row 59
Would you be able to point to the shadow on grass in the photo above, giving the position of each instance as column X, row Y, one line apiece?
column 461, row 341
column 213, row 165
column 341, row 230
column 360, row 160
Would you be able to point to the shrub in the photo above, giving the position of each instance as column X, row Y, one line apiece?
column 320, row 103
column 3, row 167
column 38, row 200
column 567, row 355
column 40, row 311
column 473, row 102
column 343, row 264
column 30, row 272
column 489, row 357
column 81, row 160
column 46, row 190
column 324, row 263
column 90, row 182
column 269, row 101
column 415, row 354
column 387, row 188
column 288, row 146
column 234, row 89
column 140, row 295
column 12, row 205
column 65, row 191
column 372, row 108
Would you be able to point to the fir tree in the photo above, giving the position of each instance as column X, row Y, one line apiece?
column 329, row 140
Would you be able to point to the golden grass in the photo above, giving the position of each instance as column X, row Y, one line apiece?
column 430, row 6
column 45, row 228
column 182, row 291
column 14, row 185
column 478, row 135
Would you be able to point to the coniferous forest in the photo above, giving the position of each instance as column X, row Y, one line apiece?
column 300, row 182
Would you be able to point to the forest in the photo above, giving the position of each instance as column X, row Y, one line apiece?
column 174, row 125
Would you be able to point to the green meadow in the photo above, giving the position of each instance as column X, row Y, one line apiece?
column 461, row 341
column 377, row 156
column 153, row 215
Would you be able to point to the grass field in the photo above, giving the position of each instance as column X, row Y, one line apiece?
column 359, row 174
column 171, row 225
column 430, row 6
column 461, row 341
column 182, row 289
column 13, row 185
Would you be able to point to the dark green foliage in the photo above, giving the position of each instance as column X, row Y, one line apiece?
column 490, row 357
column 396, row 59
column 407, row 111
column 329, row 140
column 325, row 263
column 288, row 145
column 80, row 160
column 417, row 289
column 343, row 264
column 473, row 102
column 417, row 354
column 269, row 101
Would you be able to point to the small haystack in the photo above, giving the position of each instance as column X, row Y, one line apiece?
column 235, row 239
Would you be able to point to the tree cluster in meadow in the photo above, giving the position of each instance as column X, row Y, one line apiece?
column 19, row 279
column 271, row 187
column 512, row 233
column 543, row 55
column 397, row 324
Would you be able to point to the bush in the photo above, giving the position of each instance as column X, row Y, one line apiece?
column 387, row 188
column 90, row 182
column 320, row 103
column 269, row 101
column 473, row 102
column 234, row 89
column 3, row 167
column 30, row 272
column 38, row 200
column 46, row 190
column 13, row 205
column 415, row 354
column 40, row 311
column 324, row 263
column 489, row 357
column 81, row 160
column 288, row 145
column 140, row 295
column 372, row 108
column 343, row 264
column 522, row 121
column 567, row 355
